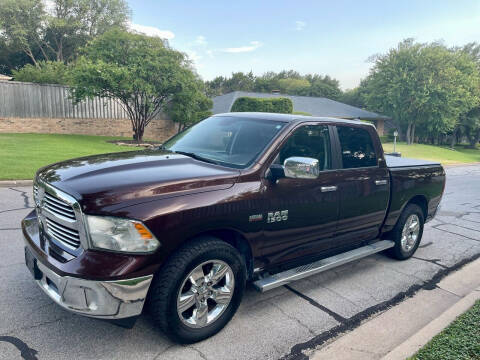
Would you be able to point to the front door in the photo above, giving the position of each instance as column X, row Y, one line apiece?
column 363, row 186
column 301, row 214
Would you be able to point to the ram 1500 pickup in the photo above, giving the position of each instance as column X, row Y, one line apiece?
column 238, row 197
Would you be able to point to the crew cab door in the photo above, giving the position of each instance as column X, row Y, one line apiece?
column 363, row 184
column 301, row 213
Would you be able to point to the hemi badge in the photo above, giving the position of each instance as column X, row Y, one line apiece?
column 253, row 218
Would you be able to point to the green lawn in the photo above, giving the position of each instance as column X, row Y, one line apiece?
column 460, row 340
column 436, row 153
column 22, row 154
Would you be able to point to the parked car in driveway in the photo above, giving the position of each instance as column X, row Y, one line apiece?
column 236, row 198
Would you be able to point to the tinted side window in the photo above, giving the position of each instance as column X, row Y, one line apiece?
column 311, row 141
column 357, row 147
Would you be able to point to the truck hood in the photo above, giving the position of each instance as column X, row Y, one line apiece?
column 108, row 182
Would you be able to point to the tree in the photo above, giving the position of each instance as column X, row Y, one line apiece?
column 470, row 122
column 293, row 86
column 74, row 22
column 57, row 32
column 423, row 85
column 22, row 27
column 141, row 73
column 191, row 105
column 46, row 72
column 287, row 82
column 354, row 97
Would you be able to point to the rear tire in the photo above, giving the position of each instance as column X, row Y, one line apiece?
column 407, row 233
column 198, row 290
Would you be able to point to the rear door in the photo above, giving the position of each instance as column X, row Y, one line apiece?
column 363, row 184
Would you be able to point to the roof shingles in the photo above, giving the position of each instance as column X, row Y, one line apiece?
column 316, row 106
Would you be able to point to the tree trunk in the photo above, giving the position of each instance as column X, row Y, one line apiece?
column 474, row 139
column 407, row 135
column 412, row 134
column 453, row 140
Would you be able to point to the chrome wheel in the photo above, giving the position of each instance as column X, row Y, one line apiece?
column 410, row 232
column 205, row 293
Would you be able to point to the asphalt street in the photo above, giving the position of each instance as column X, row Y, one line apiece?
column 282, row 323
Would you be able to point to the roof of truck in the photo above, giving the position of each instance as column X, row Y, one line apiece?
column 291, row 117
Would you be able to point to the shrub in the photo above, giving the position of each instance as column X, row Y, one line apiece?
column 301, row 113
column 47, row 72
column 272, row 105
column 386, row 138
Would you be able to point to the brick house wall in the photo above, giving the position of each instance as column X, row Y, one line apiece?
column 158, row 129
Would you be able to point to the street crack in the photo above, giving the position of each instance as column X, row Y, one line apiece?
column 26, row 352
column 333, row 314
column 433, row 261
column 24, row 195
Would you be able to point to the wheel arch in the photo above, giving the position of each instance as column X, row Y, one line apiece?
column 422, row 202
column 237, row 240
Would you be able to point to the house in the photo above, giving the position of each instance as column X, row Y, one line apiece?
column 316, row 106
column 5, row 77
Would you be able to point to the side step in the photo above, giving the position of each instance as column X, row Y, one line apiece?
column 319, row 266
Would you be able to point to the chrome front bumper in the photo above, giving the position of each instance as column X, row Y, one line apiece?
column 112, row 300
column 101, row 299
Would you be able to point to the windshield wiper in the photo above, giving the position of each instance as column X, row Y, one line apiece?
column 196, row 157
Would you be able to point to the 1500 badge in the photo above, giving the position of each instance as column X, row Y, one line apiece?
column 273, row 216
column 277, row 216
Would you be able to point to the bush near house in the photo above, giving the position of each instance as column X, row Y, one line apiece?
column 301, row 113
column 271, row 105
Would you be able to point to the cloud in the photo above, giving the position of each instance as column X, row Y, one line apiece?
column 193, row 55
column 254, row 45
column 300, row 25
column 152, row 31
column 201, row 40
column 210, row 53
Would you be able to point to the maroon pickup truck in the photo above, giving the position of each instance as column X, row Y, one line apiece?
column 236, row 198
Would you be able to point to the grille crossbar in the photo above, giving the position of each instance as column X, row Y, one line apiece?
column 58, row 207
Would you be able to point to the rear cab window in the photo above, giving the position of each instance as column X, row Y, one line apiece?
column 356, row 146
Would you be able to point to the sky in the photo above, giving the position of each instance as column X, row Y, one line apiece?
column 333, row 38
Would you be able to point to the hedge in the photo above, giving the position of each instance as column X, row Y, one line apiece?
column 301, row 113
column 271, row 105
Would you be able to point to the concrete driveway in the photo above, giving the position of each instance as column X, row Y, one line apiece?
column 283, row 323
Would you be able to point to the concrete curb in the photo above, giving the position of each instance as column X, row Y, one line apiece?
column 9, row 183
column 424, row 335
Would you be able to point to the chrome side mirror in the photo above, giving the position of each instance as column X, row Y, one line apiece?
column 301, row 168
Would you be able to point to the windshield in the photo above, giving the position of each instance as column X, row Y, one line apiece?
column 231, row 141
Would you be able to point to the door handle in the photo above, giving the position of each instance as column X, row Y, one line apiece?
column 380, row 182
column 328, row 188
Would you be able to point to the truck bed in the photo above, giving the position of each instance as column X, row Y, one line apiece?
column 399, row 162
column 412, row 178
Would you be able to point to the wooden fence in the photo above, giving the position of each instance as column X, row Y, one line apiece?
column 28, row 100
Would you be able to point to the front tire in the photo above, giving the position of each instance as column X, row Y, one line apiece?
column 198, row 290
column 407, row 233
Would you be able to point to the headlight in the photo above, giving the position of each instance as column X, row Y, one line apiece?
column 120, row 234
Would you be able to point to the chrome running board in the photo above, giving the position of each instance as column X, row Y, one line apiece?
column 319, row 266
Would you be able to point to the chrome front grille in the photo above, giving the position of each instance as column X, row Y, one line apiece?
column 60, row 220
column 58, row 207
column 67, row 236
